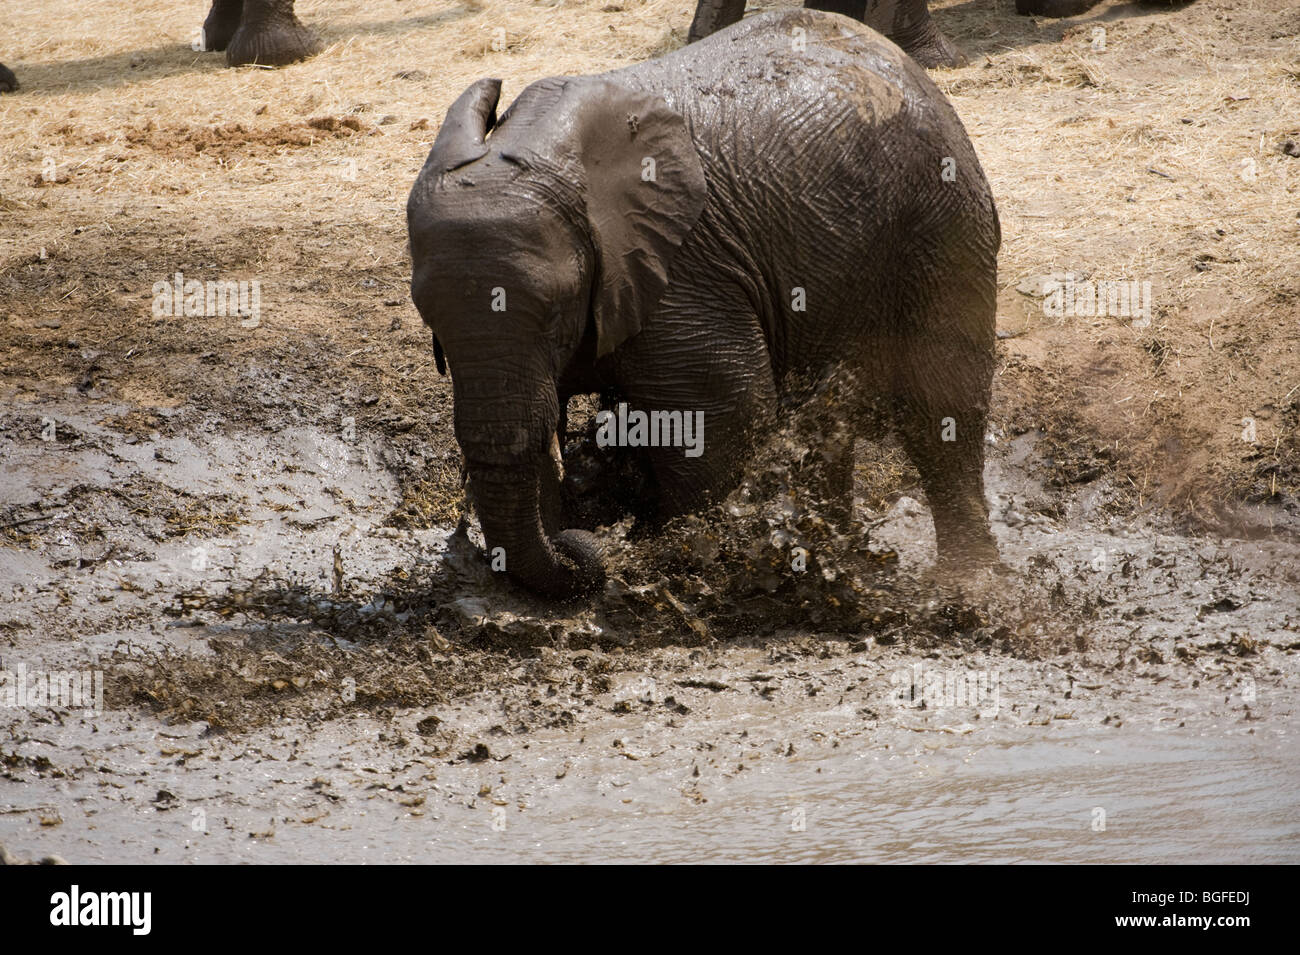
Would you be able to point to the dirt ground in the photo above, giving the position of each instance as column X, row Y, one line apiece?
column 255, row 531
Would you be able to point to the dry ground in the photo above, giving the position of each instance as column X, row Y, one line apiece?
column 1160, row 158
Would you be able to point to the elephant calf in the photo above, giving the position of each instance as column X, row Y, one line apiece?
column 702, row 235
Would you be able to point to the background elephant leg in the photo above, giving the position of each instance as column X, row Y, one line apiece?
column 221, row 24
column 857, row 9
column 8, row 82
column 712, row 15
column 1054, row 8
column 914, row 30
column 270, row 34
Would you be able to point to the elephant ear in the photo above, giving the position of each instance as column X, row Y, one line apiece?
column 461, row 139
column 645, row 190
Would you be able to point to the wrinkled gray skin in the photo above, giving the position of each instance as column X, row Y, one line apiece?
column 258, row 31
column 906, row 22
column 774, row 170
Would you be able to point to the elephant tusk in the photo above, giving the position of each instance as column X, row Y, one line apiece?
column 557, row 456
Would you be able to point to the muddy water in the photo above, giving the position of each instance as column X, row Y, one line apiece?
column 1172, row 797
column 1216, row 794
column 1170, row 735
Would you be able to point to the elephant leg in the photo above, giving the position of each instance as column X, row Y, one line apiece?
column 914, row 30
column 944, row 440
column 942, row 384
column 1054, row 8
column 711, row 364
column 857, row 9
column 269, row 34
column 221, row 23
column 712, row 15
column 8, row 82
column 906, row 22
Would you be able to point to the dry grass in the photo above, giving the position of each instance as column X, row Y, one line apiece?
column 1126, row 162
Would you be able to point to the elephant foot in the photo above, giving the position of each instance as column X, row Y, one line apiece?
column 270, row 36
column 935, row 50
column 8, row 82
column 221, row 24
column 712, row 15
column 1054, row 8
column 915, row 32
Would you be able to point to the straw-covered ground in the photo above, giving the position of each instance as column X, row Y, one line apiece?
column 1139, row 144
column 1161, row 158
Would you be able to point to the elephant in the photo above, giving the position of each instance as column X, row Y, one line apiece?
column 906, row 22
column 265, row 32
column 8, row 82
column 703, row 235
column 1072, row 8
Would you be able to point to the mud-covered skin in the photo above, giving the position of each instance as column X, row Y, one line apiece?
column 906, row 22
column 678, row 293
column 8, row 82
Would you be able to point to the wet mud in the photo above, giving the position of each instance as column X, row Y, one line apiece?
column 280, row 658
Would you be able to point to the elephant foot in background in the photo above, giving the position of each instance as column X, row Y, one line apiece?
column 1054, row 8
column 925, row 44
column 265, row 32
column 712, row 15
column 906, row 22
column 1072, row 8
column 221, row 23
column 8, row 82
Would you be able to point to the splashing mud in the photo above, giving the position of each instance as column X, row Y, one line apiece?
column 765, row 559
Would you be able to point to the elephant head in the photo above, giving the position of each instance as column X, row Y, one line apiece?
column 534, row 239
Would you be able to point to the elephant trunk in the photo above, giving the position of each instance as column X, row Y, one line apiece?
column 514, row 483
column 509, row 504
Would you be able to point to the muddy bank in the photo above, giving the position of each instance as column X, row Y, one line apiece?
column 404, row 700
